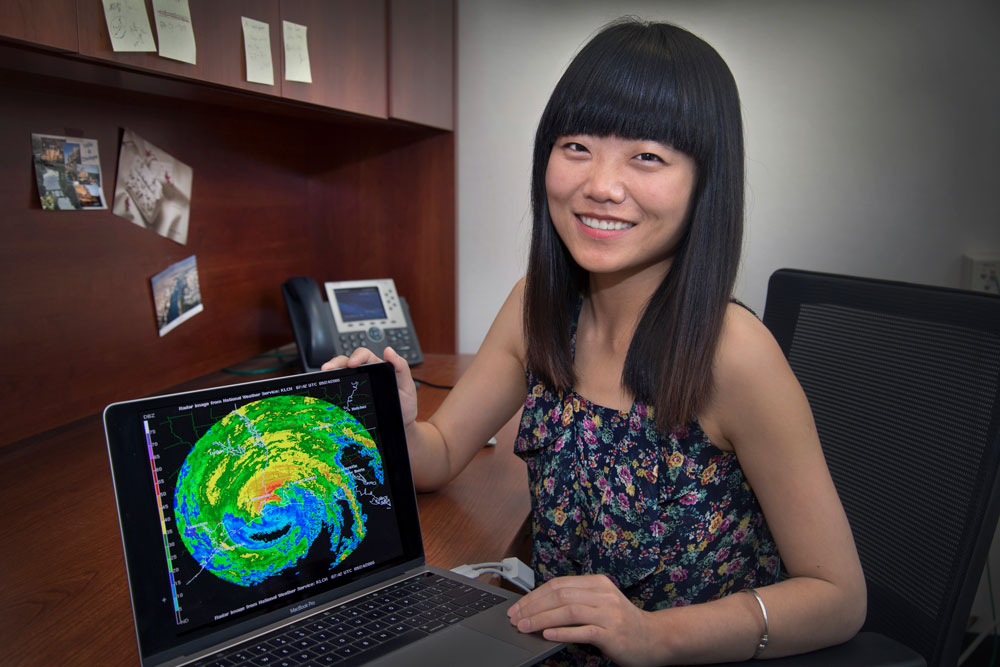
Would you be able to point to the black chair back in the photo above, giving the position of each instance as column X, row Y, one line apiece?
column 904, row 384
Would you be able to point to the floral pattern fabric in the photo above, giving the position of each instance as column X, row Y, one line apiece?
column 668, row 517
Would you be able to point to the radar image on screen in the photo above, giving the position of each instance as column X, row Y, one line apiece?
column 258, row 488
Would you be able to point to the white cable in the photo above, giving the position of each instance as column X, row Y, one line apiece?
column 473, row 571
column 492, row 564
column 511, row 569
column 489, row 570
column 466, row 571
column 518, row 573
column 510, row 579
column 516, row 583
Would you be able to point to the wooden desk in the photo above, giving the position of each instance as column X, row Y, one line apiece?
column 63, row 592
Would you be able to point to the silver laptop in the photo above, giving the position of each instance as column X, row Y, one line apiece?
column 275, row 523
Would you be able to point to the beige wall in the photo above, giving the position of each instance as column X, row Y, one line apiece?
column 872, row 132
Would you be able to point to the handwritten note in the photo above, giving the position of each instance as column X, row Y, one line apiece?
column 174, row 29
column 257, row 44
column 296, row 53
column 128, row 25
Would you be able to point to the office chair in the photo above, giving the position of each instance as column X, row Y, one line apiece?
column 904, row 384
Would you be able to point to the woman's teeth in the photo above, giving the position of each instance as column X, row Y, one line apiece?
column 613, row 225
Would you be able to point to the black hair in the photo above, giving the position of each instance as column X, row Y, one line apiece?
column 651, row 81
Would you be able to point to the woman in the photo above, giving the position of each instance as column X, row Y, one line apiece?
column 671, row 453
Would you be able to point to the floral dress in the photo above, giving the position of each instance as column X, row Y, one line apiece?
column 668, row 517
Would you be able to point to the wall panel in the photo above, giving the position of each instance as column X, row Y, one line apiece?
column 273, row 196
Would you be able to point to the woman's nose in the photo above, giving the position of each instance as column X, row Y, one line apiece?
column 604, row 182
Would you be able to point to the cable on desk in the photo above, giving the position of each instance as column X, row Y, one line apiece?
column 511, row 569
column 288, row 360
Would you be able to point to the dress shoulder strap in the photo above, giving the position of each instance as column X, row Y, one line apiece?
column 743, row 305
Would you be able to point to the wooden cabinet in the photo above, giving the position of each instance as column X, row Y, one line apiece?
column 218, row 33
column 346, row 54
column 305, row 179
column 50, row 23
column 368, row 57
column 421, row 57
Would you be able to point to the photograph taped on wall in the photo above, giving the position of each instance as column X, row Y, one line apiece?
column 68, row 173
column 153, row 189
column 176, row 294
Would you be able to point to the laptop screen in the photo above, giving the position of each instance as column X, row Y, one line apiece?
column 256, row 499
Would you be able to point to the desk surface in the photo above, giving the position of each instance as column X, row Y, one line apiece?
column 63, row 592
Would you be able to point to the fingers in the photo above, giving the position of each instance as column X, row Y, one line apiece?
column 587, row 609
column 400, row 365
column 360, row 356
column 571, row 615
column 577, row 634
column 397, row 361
column 407, row 388
column 579, row 600
column 339, row 361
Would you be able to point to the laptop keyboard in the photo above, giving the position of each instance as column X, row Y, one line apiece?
column 364, row 628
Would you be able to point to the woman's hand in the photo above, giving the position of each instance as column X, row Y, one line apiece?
column 404, row 381
column 588, row 609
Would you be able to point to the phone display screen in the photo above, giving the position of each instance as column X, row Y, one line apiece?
column 360, row 303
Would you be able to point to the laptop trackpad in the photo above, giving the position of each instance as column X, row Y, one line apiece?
column 457, row 645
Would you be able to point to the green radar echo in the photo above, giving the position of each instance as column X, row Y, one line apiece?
column 261, row 484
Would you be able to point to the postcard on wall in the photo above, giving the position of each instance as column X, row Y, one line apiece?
column 128, row 25
column 174, row 30
column 176, row 294
column 68, row 172
column 296, row 53
column 257, row 45
column 153, row 189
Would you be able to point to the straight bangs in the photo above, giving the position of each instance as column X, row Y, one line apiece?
column 643, row 85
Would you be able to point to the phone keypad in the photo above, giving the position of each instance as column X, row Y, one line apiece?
column 352, row 341
column 399, row 339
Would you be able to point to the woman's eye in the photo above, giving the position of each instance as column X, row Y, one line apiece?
column 575, row 147
column 649, row 157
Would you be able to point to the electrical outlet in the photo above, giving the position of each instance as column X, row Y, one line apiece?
column 981, row 272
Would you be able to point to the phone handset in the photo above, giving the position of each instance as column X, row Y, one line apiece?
column 358, row 313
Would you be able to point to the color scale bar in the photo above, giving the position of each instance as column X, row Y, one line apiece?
column 163, row 523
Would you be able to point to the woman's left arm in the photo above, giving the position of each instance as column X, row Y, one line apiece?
column 764, row 415
column 760, row 412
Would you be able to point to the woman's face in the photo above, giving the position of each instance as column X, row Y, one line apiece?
column 619, row 205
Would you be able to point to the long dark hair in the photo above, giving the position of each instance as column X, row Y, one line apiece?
column 639, row 80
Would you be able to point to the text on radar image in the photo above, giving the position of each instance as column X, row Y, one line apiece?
column 259, row 486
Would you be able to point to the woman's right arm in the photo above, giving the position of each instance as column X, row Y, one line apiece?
column 486, row 396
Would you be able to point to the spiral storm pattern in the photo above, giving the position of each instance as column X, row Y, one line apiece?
column 259, row 486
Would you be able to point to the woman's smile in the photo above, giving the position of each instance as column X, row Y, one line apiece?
column 604, row 224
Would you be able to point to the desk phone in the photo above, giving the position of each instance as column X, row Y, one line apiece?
column 357, row 313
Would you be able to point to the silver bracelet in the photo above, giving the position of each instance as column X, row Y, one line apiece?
column 762, row 644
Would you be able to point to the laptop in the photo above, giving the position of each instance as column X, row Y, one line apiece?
column 275, row 523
